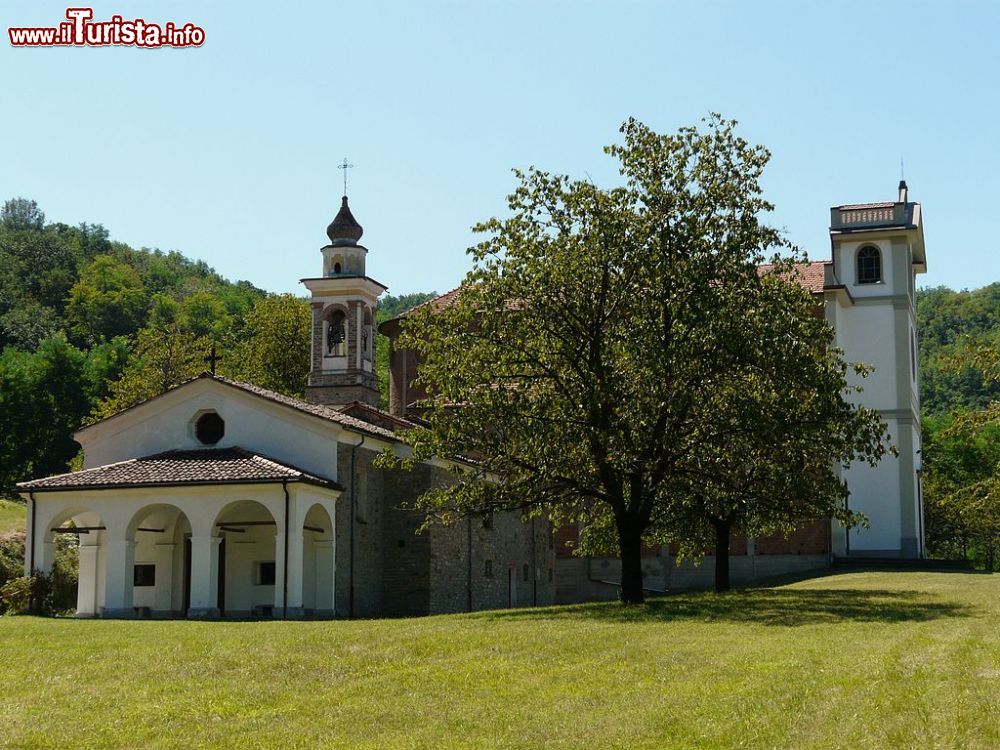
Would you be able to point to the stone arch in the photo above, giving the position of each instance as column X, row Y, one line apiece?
column 336, row 330
column 249, row 569
column 160, row 534
column 318, row 562
column 90, row 549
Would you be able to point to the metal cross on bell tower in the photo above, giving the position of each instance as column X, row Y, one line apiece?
column 345, row 166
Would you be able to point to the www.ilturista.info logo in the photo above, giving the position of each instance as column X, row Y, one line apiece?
column 81, row 31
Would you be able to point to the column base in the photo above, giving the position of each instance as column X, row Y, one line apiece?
column 203, row 613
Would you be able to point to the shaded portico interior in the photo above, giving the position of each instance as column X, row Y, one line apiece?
column 200, row 533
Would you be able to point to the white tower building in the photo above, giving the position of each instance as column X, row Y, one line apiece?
column 878, row 249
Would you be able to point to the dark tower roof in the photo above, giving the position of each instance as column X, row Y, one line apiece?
column 344, row 229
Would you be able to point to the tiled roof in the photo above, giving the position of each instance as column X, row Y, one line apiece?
column 810, row 275
column 317, row 410
column 330, row 413
column 437, row 303
column 373, row 415
column 189, row 467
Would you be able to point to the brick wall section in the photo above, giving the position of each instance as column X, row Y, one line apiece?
column 505, row 543
column 398, row 572
column 317, row 337
column 368, row 484
column 406, row 577
column 403, row 366
column 811, row 538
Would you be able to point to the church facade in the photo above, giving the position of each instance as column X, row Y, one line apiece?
column 223, row 499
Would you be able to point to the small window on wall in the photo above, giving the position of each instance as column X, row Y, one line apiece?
column 526, row 573
column 144, row 575
column 869, row 265
column 209, row 428
column 263, row 573
column 488, row 569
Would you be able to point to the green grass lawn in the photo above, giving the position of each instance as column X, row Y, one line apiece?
column 858, row 660
column 12, row 516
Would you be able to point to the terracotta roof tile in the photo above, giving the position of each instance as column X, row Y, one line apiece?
column 330, row 413
column 181, row 467
column 810, row 275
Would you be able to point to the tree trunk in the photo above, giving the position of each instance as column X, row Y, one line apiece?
column 722, row 527
column 630, row 546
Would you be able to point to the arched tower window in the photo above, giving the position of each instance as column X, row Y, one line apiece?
column 869, row 265
column 336, row 334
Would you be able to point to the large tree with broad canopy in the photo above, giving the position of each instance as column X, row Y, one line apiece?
column 603, row 365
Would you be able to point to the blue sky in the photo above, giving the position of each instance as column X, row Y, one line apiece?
column 228, row 152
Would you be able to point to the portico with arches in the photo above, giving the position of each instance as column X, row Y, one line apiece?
column 203, row 547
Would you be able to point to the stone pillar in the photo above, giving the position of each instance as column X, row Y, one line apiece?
column 119, row 571
column 163, row 600
column 204, row 577
column 86, row 590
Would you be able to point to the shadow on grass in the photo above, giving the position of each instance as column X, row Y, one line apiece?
column 761, row 606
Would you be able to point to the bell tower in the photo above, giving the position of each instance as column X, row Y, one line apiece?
column 878, row 252
column 344, row 302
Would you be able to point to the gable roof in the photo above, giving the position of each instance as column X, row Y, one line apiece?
column 181, row 467
column 329, row 413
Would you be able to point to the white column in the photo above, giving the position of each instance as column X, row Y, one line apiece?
column 295, row 555
column 86, row 590
column 204, row 576
column 119, row 572
column 164, row 577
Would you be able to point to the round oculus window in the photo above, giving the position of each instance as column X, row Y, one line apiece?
column 209, row 428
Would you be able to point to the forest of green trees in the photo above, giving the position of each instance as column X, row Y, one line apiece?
column 89, row 326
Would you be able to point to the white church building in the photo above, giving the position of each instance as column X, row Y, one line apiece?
column 219, row 498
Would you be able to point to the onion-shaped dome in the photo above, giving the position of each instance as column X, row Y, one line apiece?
column 344, row 229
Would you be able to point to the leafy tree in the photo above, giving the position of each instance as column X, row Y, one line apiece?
column 779, row 424
column 21, row 213
column 584, row 362
column 109, row 300
column 949, row 322
column 162, row 359
column 43, row 397
column 204, row 314
column 276, row 345
column 962, row 472
column 27, row 325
